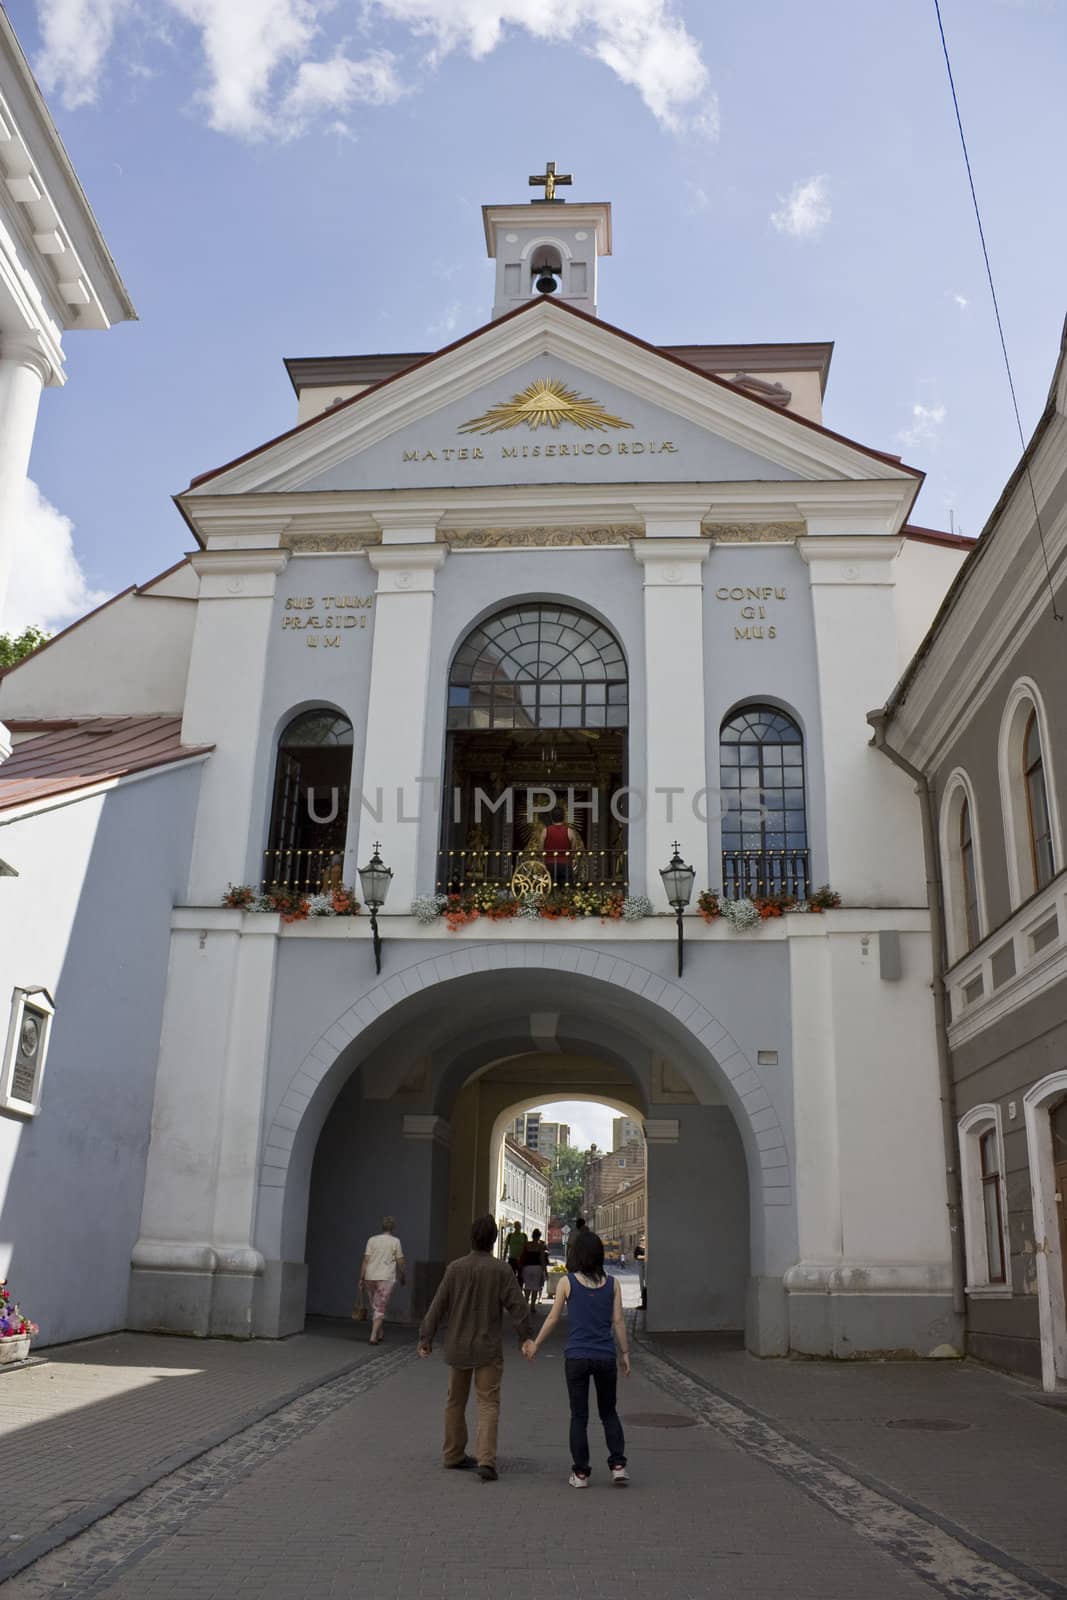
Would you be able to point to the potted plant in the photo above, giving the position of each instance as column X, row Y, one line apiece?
column 16, row 1331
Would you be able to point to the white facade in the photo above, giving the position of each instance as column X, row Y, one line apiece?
column 731, row 555
column 56, row 274
column 522, row 1192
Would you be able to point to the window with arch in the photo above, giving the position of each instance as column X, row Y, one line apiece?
column 961, row 868
column 1028, row 794
column 764, row 813
column 984, row 1204
column 1038, row 822
column 309, row 812
column 538, row 704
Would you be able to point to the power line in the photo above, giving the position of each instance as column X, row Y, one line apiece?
column 1057, row 617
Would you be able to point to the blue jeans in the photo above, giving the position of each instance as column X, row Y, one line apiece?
column 604, row 1375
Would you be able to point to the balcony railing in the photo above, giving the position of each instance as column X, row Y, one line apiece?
column 747, row 874
column 306, row 871
column 459, row 870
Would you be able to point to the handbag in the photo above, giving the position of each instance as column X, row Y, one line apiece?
column 359, row 1310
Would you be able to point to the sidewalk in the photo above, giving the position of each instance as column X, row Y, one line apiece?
column 340, row 1491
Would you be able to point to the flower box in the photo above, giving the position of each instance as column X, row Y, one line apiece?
column 13, row 1350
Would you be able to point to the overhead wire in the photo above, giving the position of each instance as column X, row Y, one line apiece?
column 1056, row 614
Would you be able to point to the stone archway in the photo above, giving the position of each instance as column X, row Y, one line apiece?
column 606, row 987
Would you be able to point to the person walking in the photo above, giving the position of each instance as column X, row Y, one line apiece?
column 516, row 1244
column 381, row 1270
column 595, row 1325
column 579, row 1227
column 533, row 1268
column 475, row 1293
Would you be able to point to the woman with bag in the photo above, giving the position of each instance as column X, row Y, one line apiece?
column 381, row 1270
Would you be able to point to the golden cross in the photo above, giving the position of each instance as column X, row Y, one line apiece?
column 550, row 178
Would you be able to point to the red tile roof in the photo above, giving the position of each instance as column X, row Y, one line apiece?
column 67, row 755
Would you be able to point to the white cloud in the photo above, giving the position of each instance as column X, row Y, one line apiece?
column 925, row 421
column 264, row 75
column 805, row 211
column 47, row 587
column 589, row 1121
column 961, row 300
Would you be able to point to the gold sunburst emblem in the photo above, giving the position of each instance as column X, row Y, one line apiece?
column 545, row 404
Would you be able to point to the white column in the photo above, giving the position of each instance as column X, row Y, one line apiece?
column 674, row 707
column 396, row 714
column 223, row 706
column 874, row 847
column 23, row 373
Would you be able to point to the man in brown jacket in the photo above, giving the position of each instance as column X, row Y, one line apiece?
column 475, row 1292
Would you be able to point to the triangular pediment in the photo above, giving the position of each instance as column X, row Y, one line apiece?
column 547, row 396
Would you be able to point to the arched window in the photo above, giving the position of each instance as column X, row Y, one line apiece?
column 1028, row 794
column 1037, row 813
column 764, row 827
column 984, row 1210
column 961, row 868
column 309, row 814
column 537, row 704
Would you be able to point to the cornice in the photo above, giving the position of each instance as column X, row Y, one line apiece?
column 407, row 557
column 237, row 561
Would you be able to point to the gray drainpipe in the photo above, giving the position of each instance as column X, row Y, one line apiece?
column 935, row 896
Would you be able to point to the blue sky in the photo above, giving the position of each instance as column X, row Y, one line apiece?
column 299, row 177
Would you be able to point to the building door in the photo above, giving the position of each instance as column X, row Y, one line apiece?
column 1058, row 1120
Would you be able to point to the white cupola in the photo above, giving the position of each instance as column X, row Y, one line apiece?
column 548, row 247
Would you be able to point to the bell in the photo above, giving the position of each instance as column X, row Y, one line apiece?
column 546, row 282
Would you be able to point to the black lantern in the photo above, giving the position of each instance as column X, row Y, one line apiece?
column 678, row 882
column 374, row 880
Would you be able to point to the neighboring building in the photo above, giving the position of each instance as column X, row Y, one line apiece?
column 608, row 1171
column 981, row 712
column 553, row 1137
column 56, row 275
column 550, row 555
column 624, row 1130
column 523, row 1191
column 622, row 1217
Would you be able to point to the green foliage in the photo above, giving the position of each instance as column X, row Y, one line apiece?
column 15, row 646
column 566, row 1188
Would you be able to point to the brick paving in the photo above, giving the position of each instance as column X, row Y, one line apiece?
column 339, row 1492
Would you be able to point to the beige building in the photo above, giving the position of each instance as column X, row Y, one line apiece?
column 624, row 1130
column 608, row 1171
column 622, row 1217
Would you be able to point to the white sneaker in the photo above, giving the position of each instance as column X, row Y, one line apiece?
column 620, row 1476
column 579, row 1480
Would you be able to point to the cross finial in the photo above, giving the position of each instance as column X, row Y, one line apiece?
column 551, row 179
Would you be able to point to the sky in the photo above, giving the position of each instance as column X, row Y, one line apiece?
column 589, row 1121
column 303, row 177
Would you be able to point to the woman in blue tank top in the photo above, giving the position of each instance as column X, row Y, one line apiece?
column 595, row 1322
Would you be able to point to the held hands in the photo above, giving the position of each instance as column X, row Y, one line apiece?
column 624, row 1363
column 529, row 1349
column 424, row 1351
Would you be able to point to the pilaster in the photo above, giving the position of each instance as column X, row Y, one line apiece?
column 396, row 713
column 874, row 855
column 223, row 707
column 24, row 371
column 674, row 701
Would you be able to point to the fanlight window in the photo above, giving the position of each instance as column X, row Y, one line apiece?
column 764, row 827
column 538, row 666
column 309, row 814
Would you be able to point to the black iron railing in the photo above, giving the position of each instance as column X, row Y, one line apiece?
column 309, row 871
column 460, row 870
column 751, row 873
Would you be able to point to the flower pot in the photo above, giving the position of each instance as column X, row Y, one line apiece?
column 14, row 1349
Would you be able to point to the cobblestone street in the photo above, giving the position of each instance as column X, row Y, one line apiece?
column 313, row 1465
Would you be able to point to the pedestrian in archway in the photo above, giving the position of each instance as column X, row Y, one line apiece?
column 475, row 1292
column 516, row 1244
column 595, row 1326
column 579, row 1227
column 533, row 1268
column 381, row 1270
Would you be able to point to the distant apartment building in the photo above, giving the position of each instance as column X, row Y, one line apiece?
column 608, row 1171
column 624, row 1130
column 544, row 1137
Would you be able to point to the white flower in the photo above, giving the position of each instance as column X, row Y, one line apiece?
column 321, row 905
column 426, row 908
column 636, row 906
column 740, row 914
